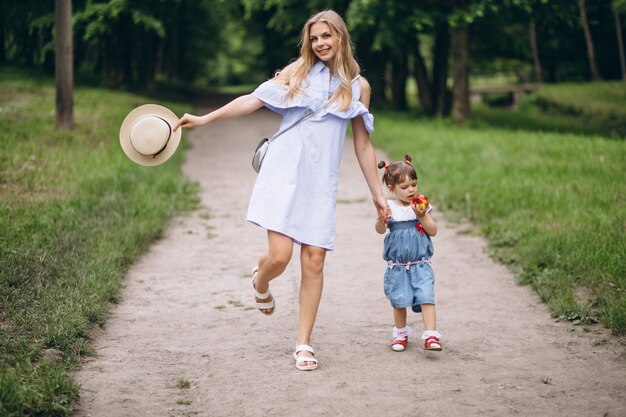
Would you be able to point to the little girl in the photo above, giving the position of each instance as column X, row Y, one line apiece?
column 409, row 278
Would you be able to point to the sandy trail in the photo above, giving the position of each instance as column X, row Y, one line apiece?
column 186, row 312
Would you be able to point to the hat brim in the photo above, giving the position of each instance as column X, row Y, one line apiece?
column 136, row 115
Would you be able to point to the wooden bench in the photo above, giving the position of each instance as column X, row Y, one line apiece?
column 515, row 93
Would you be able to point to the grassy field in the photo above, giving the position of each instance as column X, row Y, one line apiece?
column 553, row 205
column 587, row 108
column 74, row 212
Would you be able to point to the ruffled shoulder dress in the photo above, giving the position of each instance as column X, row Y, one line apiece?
column 295, row 191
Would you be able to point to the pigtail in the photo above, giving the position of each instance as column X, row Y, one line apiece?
column 397, row 170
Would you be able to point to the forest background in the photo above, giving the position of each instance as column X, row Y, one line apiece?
column 437, row 45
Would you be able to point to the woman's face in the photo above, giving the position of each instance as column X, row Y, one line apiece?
column 323, row 43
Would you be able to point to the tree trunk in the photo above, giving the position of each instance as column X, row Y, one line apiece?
column 399, row 75
column 535, row 50
column 64, row 65
column 620, row 44
column 175, row 47
column 424, row 92
column 460, row 74
column 375, row 74
column 3, row 50
column 595, row 75
column 441, row 53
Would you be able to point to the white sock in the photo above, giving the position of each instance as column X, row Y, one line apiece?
column 428, row 333
column 403, row 332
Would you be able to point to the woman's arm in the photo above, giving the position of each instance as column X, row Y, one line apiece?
column 238, row 107
column 365, row 151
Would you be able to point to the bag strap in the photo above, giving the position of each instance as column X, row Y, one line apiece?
column 302, row 119
column 305, row 117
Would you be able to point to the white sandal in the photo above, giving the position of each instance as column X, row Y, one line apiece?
column 300, row 359
column 269, row 305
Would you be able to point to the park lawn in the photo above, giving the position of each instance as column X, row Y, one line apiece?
column 597, row 108
column 552, row 205
column 74, row 213
column 597, row 98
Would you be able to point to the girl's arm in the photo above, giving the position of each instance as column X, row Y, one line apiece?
column 381, row 221
column 365, row 151
column 238, row 107
column 425, row 219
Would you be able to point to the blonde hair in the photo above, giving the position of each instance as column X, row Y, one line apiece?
column 346, row 66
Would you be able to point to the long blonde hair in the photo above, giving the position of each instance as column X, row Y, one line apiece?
column 346, row 66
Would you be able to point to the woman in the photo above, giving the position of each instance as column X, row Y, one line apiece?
column 294, row 196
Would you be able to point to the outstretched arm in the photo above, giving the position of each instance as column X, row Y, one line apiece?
column 364, row 151
column 238, row 107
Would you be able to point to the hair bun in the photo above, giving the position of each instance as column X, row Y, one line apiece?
column 382, row 164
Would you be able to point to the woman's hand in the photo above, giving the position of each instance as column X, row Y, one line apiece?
column 189, row 121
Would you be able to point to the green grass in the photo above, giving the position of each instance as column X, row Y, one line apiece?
column 587, row 108
column 74, row 213
column 552, row 205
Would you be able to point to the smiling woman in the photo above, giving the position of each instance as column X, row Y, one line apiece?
column 294, row 197
column 323, row 43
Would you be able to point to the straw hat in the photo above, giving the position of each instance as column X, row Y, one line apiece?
column 146, row 134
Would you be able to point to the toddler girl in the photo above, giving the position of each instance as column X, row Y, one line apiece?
column 409, row 278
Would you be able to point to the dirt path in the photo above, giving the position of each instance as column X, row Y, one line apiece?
column 186, row 312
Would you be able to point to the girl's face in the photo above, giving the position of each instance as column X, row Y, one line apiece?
column 323, row 43
column 405, row 190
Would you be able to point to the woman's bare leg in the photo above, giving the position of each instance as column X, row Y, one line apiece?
column 312, row 262
column 272, row 263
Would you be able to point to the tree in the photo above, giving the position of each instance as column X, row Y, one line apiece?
column 64, row 65
column 535, row 50
column 387, row 34
column 619, row 6
column 460, row 62
column 595, row 75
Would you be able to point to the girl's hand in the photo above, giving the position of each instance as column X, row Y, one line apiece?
column 189, row 121
column 384, row 215
column 419, row 212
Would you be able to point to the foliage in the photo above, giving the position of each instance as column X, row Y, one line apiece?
column 139, row 43
column 74, row 212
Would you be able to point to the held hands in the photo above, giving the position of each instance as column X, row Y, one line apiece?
column 384, row 215
column 189, row 121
